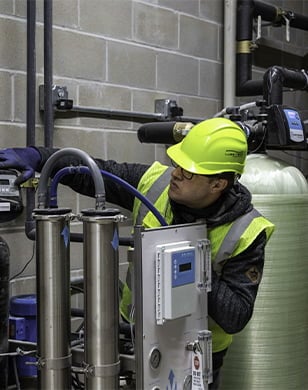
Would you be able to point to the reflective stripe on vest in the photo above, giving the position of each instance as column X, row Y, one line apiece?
column 230, row 241
column 154, row 193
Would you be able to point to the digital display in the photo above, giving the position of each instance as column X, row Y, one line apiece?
column 293, row 119
column 185, row 267
column 4, row 182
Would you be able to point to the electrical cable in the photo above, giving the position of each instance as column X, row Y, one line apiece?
column 26, row 265
column 78, row 289
column 16, row 373
column 82, row 169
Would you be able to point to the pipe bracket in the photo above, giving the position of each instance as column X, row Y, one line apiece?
column 55, row 364
column 245, row 47
column 112, row 369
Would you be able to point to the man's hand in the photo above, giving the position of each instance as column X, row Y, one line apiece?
column 24, row 160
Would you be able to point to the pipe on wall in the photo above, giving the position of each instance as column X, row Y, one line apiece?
column 48, row 75
column 276, row 77
column 31, row 102
column 245, row 86
column 247, row 10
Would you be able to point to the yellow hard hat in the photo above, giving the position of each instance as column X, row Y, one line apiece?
column 212, row 146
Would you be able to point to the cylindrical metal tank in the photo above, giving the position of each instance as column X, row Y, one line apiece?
column 101, row 267
column 53, row 298
column 271, row 353
column 4, row 311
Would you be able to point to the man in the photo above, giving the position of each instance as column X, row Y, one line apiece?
column 203, row 185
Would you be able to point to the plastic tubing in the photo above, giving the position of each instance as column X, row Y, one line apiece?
column 82, row 169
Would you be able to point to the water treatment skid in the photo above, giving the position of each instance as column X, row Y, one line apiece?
column 166, row 344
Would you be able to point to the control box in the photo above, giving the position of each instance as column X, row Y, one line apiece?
column 10, row 197
column 285, row 129
column 175, row 281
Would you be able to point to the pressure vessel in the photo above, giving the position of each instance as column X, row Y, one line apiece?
column 4, row 311
column 271, row 353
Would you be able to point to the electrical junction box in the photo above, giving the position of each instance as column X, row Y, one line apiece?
column 175, row 269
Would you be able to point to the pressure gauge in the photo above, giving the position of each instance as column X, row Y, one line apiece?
column 155, row 358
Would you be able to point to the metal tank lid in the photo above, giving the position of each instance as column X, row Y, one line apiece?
column 267, row 175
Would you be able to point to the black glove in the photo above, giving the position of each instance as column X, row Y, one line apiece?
column 24, row 160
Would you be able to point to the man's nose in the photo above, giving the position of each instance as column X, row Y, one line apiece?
column 177, row 173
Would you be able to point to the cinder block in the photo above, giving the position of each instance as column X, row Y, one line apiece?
column 131, row 65
column 12, row 134
column 199, row 107
column 156, row 26
column 211, row 79
column 198, row 37
column 105, row 97
column 212, row 10
column 176, row 73
column 78, row 56
column 112, row 17
column 5, row 97
column 13, row 44
column 7, row 7
column 190, row 7
column 125, row 147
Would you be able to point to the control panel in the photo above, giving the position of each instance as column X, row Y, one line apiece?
column 175, row 281
column 10, row 196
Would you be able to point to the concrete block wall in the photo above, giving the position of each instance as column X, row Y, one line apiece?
column 113, row 54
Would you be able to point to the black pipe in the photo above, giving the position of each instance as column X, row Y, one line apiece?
column 31, row 86
column 4, row 310
column 122, row 115
column 31, row 101
column 277, row 77
column 31, row 71
column 268, row 12
column 244, row 26
column 247, row 10
column 277, row 16
column 48, row 76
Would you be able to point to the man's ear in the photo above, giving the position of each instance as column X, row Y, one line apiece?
column 218, row 185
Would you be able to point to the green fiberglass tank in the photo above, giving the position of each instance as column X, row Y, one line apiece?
column 271, row 353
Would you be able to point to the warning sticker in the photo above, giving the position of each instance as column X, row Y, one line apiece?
column 197, row 370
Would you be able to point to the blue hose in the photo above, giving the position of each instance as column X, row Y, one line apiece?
column 82, row 169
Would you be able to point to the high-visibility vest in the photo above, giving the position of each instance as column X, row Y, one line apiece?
column 227, row 240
